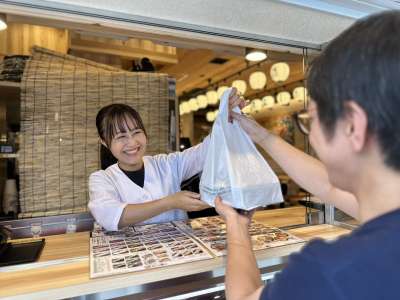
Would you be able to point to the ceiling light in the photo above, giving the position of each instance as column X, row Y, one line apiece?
column 202, row 101
column 184, row 108
column 256, row 55
column 210, row 116
column 280, row 72
column 300, row 93
column 257, row 105
column 257, row 80
column 194, row 106
column 3, row 23
column 283, row 98
column 269, row 101
column 240, row 85
column 212, row 97
column 221, row 90
column 247, row 109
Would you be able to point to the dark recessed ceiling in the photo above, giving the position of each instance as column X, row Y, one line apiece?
column 218, row 61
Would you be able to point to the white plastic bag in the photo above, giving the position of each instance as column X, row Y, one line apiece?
column 234, row 169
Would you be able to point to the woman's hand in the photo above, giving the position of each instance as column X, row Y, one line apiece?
column 235, row 99
column 187, row 201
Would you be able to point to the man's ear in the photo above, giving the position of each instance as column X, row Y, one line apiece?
column 356, row 126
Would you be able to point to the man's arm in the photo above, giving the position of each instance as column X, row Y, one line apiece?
column 243, row 279
column 308, row 172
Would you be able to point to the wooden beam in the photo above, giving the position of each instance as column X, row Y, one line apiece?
column 120, row 50
column 162, row 39
column 18, row 39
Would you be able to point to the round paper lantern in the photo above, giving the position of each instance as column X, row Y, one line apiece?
column 257, row 80
column 194, row 106
column 280, row 72
column 221, row 90
column 283, row 98
column 212, row 97
column 202, row 101
column 216, row 112
column 269, row 101
column 184, row 108
column 181, row 112
column 257, row 105
column 247, row 109
column 210, row 116
column 300, row 93
column 240, row 85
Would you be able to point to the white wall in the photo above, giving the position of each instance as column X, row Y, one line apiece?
column 274, row 19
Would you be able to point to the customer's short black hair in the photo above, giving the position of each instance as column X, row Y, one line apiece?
column 362, row 64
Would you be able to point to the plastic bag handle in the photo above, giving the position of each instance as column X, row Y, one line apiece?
column 224, row 106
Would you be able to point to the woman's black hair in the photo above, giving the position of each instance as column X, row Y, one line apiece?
column 113, row 118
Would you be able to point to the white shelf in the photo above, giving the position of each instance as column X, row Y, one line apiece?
column 10, row 84
column 8, row 155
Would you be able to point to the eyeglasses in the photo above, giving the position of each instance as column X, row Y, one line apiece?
column 303, row 121
column 125, row 137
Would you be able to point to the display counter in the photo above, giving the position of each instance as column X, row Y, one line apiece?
column 63, row 268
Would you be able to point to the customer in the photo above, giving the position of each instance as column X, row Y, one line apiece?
column 308, row 172
column 355, row 127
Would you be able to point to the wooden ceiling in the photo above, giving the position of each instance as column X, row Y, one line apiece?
column 195, row 71
column 193, row 68
column 190, row 62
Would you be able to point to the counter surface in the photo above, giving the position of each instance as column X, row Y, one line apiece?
column 63, row 268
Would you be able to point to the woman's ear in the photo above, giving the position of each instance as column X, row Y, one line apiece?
column 103, row 143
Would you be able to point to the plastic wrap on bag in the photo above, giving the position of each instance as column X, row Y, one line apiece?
column 234, row 169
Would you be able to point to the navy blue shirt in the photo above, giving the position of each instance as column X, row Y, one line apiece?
column 363, row 265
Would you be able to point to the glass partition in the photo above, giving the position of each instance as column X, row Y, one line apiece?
column 50, row 96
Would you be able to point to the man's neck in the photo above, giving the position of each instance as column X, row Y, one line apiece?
column 378, row 192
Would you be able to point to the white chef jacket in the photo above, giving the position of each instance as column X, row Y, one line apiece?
column 110, row 190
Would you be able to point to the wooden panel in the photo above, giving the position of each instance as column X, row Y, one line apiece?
column 65, row 246
column 194, row 69
column 18, row 39
column 130, row 48
column 323, row 231
column 282, row 217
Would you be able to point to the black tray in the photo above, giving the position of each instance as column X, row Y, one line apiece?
column 19, row 253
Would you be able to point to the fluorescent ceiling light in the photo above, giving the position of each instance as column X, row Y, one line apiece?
column 256, row 55
column 3, row 24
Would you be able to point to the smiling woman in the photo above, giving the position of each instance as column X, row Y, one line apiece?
column 139, row 188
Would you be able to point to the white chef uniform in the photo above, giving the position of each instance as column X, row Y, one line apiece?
column 111, row 190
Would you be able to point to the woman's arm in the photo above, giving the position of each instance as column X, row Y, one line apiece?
column 112, row 214
column 135, row 213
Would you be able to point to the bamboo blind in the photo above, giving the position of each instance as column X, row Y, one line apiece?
column 60, row 98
